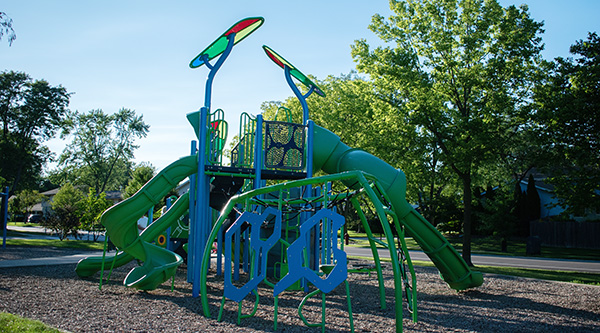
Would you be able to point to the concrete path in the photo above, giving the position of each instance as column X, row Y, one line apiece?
column 586, row 266
column 72, row 259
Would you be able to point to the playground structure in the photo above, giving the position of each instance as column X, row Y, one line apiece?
column 285, row 235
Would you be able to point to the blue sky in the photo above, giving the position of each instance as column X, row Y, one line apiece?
column 135, row 54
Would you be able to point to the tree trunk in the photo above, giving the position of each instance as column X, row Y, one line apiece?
column 467, row 197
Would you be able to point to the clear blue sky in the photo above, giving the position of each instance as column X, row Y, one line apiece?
column 135, row 54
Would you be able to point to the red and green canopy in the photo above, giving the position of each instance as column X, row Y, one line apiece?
column 281, row 62
column 241, row 29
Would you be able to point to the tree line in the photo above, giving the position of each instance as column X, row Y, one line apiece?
column 97, row 159
column 460, row 98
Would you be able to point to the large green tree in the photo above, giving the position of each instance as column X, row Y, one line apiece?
column 569, row 118
column 459, row 72
column 351, row 103
column 31, row 112
column 102, row 148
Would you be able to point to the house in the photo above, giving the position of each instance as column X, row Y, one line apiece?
column 44, row 208
column 549, row 204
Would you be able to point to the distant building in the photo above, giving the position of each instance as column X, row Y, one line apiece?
column 549, row 205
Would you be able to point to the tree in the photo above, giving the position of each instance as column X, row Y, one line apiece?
column 68, row 210
column 568, row 105
column 6, row 28
column 92, row 208
column 27, row 199
column 499, row 215
column 140, row 176
column 102, row 144
column 30, row 113
column 350, row 102
column 460, row 74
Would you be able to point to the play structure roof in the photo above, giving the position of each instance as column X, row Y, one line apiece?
column 241, row 29
column 295, row 72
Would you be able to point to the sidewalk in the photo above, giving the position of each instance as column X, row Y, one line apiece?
column 72, row 259
column 585, row 266
column 43, row 233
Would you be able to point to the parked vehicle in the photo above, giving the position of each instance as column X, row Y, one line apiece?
column 34, row 218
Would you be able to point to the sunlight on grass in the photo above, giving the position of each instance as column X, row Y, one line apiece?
column 14, row 324
column 74, row 244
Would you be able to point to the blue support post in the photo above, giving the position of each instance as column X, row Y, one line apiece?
column 4, row 215
column 202, row 209
column 192, row 220
column 258, row 152
column 202, row 217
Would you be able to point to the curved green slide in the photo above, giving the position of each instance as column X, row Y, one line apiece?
column 333, row 156
column 121, row 227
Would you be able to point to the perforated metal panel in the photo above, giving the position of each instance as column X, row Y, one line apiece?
column 284, row 145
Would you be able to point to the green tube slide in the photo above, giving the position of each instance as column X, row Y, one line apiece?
column 333, row 156
column 91, row 265
column 120, row 221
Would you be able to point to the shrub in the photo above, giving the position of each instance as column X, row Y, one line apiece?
column 68, row 210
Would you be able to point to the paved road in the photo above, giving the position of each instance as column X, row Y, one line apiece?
column 588, row 266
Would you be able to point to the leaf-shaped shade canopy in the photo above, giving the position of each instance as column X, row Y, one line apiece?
column 281, row 62
column 241, row 29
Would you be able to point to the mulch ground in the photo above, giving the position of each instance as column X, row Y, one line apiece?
column 58, row 297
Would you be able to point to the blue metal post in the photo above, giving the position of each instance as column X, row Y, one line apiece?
column 4, row 215
column 192, row 221
column 258, row 152
column 203, row 218
column 202, row 209
column 301, row 98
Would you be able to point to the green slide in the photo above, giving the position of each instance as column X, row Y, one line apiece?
column 333, row 156
column 91, row 265
column 121, row 226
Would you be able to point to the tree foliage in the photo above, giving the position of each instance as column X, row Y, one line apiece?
column 102, row 148
column 568, row 104
column 140, row 176
column 6, row 28
column 30, row 113
column 92, row 208
column 22, row 203
column 67, row 211
column 459, row 74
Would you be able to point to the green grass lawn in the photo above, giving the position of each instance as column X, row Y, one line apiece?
column 67, row 243
column 22, row 224
column 14, row 324
column 490, row 245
